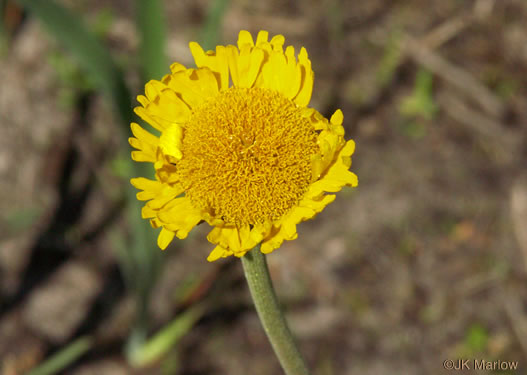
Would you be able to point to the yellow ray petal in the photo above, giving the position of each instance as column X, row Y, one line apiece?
column 337, row 175
column 142, row 183
column 249, row 65
column 170, row 141
column 236, row 240
column 272, row 241
column 277, row 43
column 273, row 75
column 143, row 100
column 215, row 61
column 226, row 237
column 148, row 213
column 286, row 229
column 145, row 142
column 142, row 135
column 346, row 152
column 294, row 74
column 153, row 88
column 304, row 95
column 164, row 238
column 142, row 156
column 193, row 85
column 317, row 204
column 262, row 38
column 160, row 201
column 180, row 216
column 177, row 67
column 143, row 113
column 337, row 118
column 217, row 253
column 245, row 38
column 164, row 110
column 233, row 55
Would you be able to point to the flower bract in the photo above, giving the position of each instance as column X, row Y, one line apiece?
column 238, row 147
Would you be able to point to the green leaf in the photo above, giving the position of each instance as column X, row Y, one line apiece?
column 213, row 22
column 91, row 55
column 18, row 221
column 391, row 60
column 95, row 60
column 103, row 22
column 167, row 337
column 477, row 338
column 152, row 28
column 421, row 101
column 64, row 357
column 3, row 29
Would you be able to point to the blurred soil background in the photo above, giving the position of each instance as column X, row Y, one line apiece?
column 425, row 261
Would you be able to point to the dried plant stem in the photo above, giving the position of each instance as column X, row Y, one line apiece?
column 270, row 313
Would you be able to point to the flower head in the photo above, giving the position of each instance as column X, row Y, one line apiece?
column 239, row 148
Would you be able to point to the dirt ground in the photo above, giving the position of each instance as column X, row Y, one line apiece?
column 424, row 262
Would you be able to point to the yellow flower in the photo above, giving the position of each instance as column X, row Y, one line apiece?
column 239, row 148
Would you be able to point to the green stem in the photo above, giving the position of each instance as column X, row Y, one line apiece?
column 270, row 313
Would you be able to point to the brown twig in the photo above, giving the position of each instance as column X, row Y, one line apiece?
column 455, row 76
column 518, row 207
column 501, row 140
column 518, row 320
column 447, row 30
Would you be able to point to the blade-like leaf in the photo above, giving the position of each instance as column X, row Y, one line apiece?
column 152, row 28
column 95, row 60
column 167, row 337
column 89, row 52
column 64, row 357
column 211, row 28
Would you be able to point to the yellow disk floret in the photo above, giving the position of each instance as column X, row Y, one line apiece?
column 247, row 155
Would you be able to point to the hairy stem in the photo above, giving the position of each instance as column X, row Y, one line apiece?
column 270, row 313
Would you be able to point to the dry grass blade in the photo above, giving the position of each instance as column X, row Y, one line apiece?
column 455, row 76
column 518, row 202
column 501, row 140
